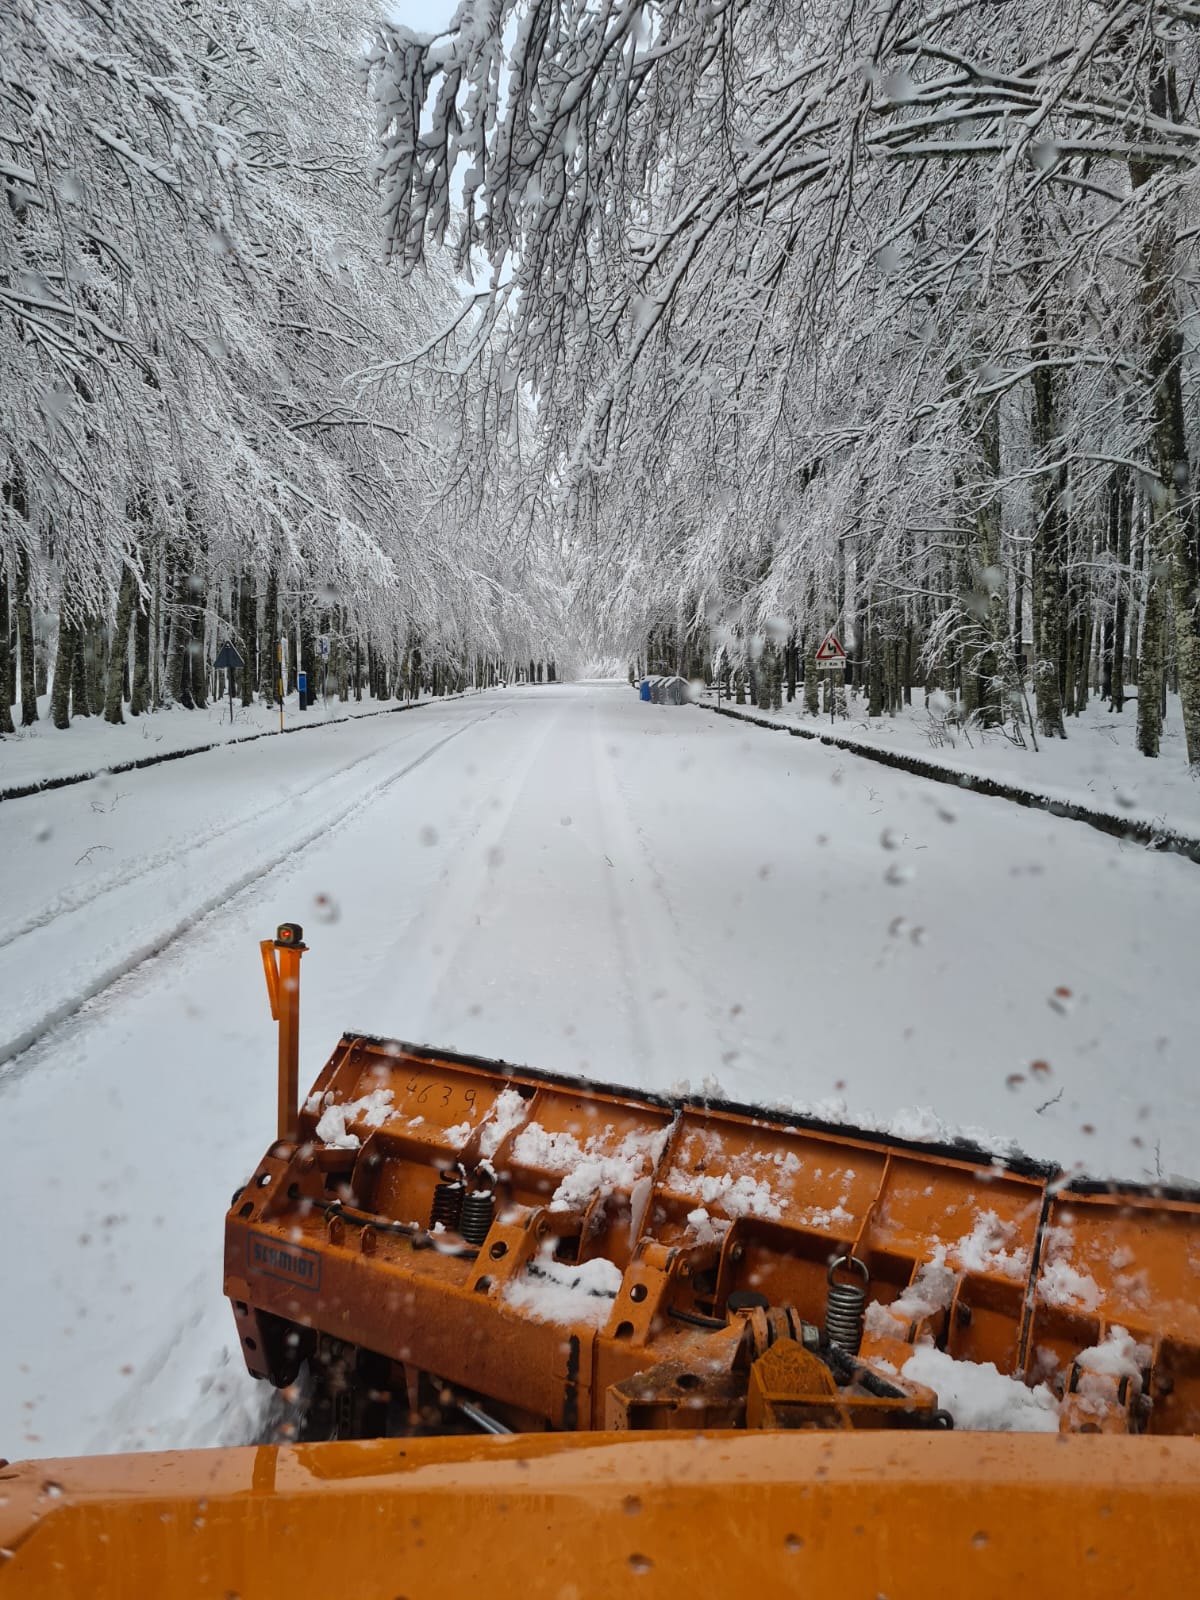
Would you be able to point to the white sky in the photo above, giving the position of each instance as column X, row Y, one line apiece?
column 427, row 16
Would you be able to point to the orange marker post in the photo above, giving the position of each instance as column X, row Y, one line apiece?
column 281, row 965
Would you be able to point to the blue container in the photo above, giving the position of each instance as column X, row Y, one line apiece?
column 645, row 690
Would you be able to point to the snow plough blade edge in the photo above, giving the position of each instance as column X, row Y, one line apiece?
column 449, row 1242
column 604, row 1515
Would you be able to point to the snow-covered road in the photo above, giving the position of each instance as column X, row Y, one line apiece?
column 562, row 876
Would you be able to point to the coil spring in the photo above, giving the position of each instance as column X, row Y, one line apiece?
column 846, row 1305
column 448, row 1200
column 478, row 1209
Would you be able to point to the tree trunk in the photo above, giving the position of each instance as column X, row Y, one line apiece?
column 268, row 682
column 174, row 657
column 64, row 660
column 1048, row 607
column 310, row 662
column 95, row 664
column 1108, row 652
column 1071, row 658
column 1048, row 597
column 812, row 687
column 1174, row 545
column 29, row 710
column 179, row 655
column 875, row 684
column 339, row 663
column 155, row 656
column 1018, row 633
column 139, row 698
column 8, row 677
column 1152, row 655
column 1049, row 588
column 247, row 623
column 79, row 686
column 1082, row 661
column 197, row 665
column 1120, row 620
column 289, row 629
column 113, row 711
column 987, row 597
column 1108, row 621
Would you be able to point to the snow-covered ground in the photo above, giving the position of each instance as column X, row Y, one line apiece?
column 41, row 752
column 1096, row 765
column 558, row 875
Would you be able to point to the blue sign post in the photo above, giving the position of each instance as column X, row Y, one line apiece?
column 302, row 689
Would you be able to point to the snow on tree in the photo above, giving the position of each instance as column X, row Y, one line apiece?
column 872, row 317
column 192, row 295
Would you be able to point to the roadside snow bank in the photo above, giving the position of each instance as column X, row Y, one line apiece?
column 1093, row 777
column 43, row 757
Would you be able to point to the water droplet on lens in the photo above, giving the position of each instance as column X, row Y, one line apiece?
column 325, row 908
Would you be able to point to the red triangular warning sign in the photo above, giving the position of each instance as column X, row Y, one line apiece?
column 830, row 649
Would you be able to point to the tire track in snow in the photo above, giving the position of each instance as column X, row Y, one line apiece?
column 641, row 1003
column 720, row 1043
column 468, row 886
column 669, row 1003
column 86, row 895
column 147, row 950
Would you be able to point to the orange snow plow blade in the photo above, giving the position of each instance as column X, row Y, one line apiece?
column 664, row 1344
column 600, row 1515
column 451, row 1243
